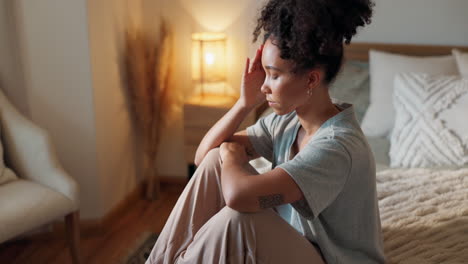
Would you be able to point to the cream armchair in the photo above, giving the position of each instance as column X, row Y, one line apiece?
column 44, row 191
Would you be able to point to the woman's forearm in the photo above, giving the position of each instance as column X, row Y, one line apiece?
column 222, row 130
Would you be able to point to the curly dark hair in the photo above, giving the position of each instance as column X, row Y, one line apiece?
column 311, row 32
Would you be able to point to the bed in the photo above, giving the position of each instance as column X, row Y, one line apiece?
column 423, row 209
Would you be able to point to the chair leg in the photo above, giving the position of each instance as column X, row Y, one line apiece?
column 72, row 225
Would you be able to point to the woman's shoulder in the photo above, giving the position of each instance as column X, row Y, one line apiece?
column 344, row 133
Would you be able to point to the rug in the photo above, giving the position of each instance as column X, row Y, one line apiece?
column 142, row 249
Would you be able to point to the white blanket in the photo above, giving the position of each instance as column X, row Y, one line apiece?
column 424, row 215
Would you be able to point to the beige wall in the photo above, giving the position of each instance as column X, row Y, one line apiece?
column 11, row 76
column 70, row 50
column 53, row 39
column 116, row 154
column 418, row 22
column 171, row 162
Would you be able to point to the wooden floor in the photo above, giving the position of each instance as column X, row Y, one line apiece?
column 109, row 247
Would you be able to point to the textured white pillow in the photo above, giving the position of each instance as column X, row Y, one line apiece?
column 380, row 116
column 462, row 61
column 6, row 174
column 431, row 122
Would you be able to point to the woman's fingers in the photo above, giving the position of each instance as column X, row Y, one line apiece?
column 247, row 66
column 256, row 64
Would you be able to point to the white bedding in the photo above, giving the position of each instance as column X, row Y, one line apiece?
column 424, row 214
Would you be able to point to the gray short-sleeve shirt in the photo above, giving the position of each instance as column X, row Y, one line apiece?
column 336, row 173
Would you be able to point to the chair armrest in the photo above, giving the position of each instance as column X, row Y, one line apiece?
column 30, row 153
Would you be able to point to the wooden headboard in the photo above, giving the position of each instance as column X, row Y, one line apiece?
column 360, row 52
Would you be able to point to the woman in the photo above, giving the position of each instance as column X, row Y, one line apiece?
column 318, row 203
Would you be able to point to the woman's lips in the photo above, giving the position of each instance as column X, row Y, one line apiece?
column 270, row 103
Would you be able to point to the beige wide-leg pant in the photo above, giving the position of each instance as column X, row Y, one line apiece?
column 202, row 229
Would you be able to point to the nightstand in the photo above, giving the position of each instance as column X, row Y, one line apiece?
column 200, row 114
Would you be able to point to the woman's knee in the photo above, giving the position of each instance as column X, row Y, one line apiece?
column 226, row 216
column 226, row 220
column 232, row 216
column 213, row 153
column 211, row 159
column 227, row 213
column 210, row 167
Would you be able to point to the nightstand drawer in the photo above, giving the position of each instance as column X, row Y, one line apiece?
column 194, row 135
column 202, row 116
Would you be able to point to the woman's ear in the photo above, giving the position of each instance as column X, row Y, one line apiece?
column 314, row 78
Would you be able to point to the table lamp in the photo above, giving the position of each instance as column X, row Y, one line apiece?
column 209, row 63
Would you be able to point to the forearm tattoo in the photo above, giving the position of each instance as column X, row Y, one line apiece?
column 270, row 200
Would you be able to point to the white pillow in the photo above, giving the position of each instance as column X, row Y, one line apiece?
column 462, row 61
column 6, row 175
column 431, row 127
column 380, row 116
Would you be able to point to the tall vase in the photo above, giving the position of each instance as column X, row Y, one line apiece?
column 151, row 175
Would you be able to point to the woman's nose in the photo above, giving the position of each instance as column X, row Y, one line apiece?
column 265, row 89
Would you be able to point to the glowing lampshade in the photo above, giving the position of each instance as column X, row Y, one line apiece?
column 209, row 62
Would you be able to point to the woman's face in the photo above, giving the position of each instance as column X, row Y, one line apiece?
column 284, row 90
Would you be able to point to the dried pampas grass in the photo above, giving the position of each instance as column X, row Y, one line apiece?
column 147, row 68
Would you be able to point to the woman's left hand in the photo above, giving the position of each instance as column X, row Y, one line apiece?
column 233, row 151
